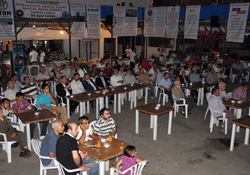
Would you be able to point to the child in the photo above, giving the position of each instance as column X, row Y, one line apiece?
column 128, row 159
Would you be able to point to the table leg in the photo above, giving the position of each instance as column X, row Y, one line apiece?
column 1, row 90
column 115, row 100
column 28, row 136
column 135, row 99
column 151, row 121
column 136, row 121
column 238, row 115
column 232, row 137
column 170, row 122
column 88, row 107
column 101, row 102
column 84, row 108
column 81, row 108
column 97, row 108
column 119, row 103
column 101, row 168
column 131, row 99
column 199, row 97
column 68, row 108
column 202, row 96
column 146, row 95
column 155, row 117
column 246, row 137
column 107, row 102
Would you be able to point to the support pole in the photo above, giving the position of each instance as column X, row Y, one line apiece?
column 69, row 32
column 17, row 56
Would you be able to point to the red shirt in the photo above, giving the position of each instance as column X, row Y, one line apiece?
column 146, row 65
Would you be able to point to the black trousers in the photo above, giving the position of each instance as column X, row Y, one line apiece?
column 169, row 96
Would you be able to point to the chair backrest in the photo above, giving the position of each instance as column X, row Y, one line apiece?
column 91, row 125
column 174, row 98
column 208, row 95
column 36, row 145
column 136, row 169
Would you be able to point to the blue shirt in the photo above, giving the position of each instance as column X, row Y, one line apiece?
column 43, row 99
column 49, row 146
column 166, row 83
column 103, row 81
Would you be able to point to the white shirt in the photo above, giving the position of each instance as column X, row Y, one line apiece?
column 67, row 91
column 10, row 94
column 88, row 132
column 17, row 85
column 76, row 87
column 81, row 72
column 114, row 80
column 129, row 79
column 100, row 66
column 41, row 57
column 41, row 76
column 132, row 56
column 217, row 105
column 33, row 55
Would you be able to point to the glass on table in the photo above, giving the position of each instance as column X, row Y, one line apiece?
column 98, row 145
column 121, row 145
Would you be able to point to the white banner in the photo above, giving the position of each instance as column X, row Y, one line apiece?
column 160, row 20
column 192, row 22
column 6, row 21
column 237, row 20
column 131, row 22
column 78, row 30
column 120, row 21
column 149, row 22
column 77, row 11
column 93, row 21
column 172, row 21
column 41, row 9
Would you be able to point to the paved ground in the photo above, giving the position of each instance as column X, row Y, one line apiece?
column 189, row 150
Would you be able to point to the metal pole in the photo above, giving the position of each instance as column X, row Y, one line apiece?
column 69, row 32
column 17, row 56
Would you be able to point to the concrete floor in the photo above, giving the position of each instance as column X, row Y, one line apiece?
column 190, row 150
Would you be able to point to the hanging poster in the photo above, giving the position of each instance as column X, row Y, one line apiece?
column 131, row 22
column 160, row 20
column 41, row 9
column 149, row 22
column 93, row 21
column 192, row 22
column 172, row 21
column 6, row 21
column 119, row 19
column 78, row 30
column 237, row 22
column 77, row 11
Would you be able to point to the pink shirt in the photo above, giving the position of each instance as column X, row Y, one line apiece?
column 24, row 106
column 239, row 94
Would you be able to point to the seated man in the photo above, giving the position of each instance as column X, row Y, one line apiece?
column 129, row 78
column 63, row 90
column 76, row 85
column 116, row 79
column 88, row 84
column 101, row 81
column 216, row 104
column 12, row 134
column 85, row 133
column 42, row 75
column 5, row 106
column 223, row 94
column 145, row 79
column 183, row 78
column 48, row 147
column 17, row 84
column 10, row 93
column 67, row 152
column 166, row 84
column 212, row 77
column 44, row 101
column 25, row 74
column 22, row 105
column 29, row 89
column 178, row 93
column 195, row 77
column 240, row 93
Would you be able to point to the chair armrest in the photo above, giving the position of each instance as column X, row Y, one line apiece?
column 4, row 136
column 115, row 170
column 182, row 99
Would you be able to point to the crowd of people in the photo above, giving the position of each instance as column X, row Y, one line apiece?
column 166, row 70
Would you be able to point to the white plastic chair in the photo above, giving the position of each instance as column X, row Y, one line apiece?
column 36, row 145
column 7, row 146
column 207, row 97
column 134, row 170
column 165, row 97
column 61, row 169
column 215, row 120
column 176, row 106
column 61, row 99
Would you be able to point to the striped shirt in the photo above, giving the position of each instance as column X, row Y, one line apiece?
column 102, row 128
column 29, row 89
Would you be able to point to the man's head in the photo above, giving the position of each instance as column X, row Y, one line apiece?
column 171, row 71
column 58, row 126
column 105, row 114
column 101, row 73
column 244, row 86
column 129, row 72
column 45, row 88
column 10, row 84
column 216, row 91
column 5, row 103
column 211, row 70
column 86, row 76
column 166, row 75
column 14, row 77
column 107, row 66
column 183, row 73
column 26, row 80
column 222, row 86
column 115, row 71
column 19, row 96
column 64, row 79
column 177, row 82
column 72, row 129
column 1, row 113
column 42, row 70
column 83, row 122
column 26, row 71
column 76, row 76
column 155, row 69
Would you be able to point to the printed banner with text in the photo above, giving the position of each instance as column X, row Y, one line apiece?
column 192, row 22
column 237, row 21
column 78, row 30
column 6, row 21
column 131, row 22
column 149, row 22
column 119, row 19
column 172, row 21
column 93, row 21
